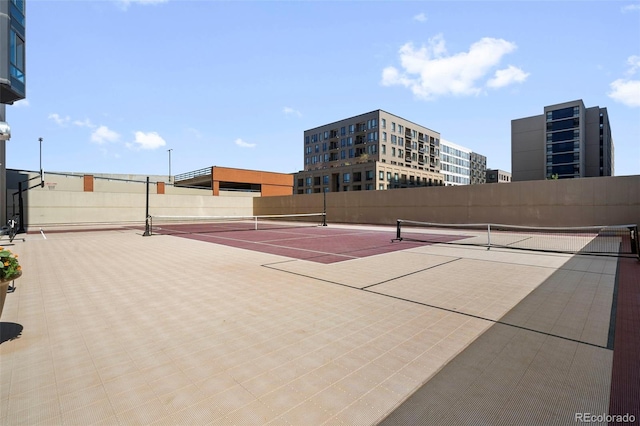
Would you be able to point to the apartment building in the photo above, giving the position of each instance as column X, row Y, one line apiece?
column 567, row 141
column 498, row 176
column 460, row 165
column 455, row 163
column 372, row 151
column 478, row 169
column 12, row 77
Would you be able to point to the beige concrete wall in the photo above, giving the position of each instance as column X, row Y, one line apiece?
column 44, row 207
column 113, row 200
column 572, row 202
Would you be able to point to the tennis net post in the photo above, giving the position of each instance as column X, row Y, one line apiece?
column 147, row 224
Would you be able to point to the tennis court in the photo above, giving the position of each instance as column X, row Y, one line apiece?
column 306, row 238
column 356, row 330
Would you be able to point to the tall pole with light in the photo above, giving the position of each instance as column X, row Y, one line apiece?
column 169, row 151
column 41, row 173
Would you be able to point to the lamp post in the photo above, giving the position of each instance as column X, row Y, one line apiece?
column 169, row 151
column 41, row 174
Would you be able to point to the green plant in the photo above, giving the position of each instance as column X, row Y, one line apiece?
column 9, row 266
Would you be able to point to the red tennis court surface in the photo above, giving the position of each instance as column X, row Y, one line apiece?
column 317, row 244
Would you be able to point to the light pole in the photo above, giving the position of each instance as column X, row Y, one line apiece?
column 169, row 151
column 41, row 174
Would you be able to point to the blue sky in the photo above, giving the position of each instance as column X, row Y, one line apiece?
column 112, row 84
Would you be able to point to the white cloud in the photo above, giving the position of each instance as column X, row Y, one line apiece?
column 124, row 4
column 195, row 132
column 85, row 123
column 104, row 135
column 60, row 121
column 630, row 8
column 634, row 64
column 290, row 111
column 507, row 76
column 627, row 90
column 421, row 17
column 243, row 144
column 430, row 72
column 151, row 140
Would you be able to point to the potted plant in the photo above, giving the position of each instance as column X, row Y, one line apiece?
column 10, row 269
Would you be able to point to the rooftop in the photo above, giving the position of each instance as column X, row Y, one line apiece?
column 107, row 327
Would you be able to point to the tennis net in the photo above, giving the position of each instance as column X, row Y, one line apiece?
column 171, row 225
column 619, row 240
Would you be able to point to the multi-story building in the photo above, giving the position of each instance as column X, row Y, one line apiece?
column 567, row 141
column 12, row 76
column 371, row 151
column 477, row 172
column 455, row 163
column 498, row 176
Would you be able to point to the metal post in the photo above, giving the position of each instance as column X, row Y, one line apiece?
column 21, row 229
column 41, row 174
column 169, row 151
column 147, row 230
column 488, row 236
column 324, row 207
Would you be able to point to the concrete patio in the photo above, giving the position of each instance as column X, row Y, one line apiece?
column 121, row 329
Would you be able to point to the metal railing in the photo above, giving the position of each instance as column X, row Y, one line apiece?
column 193, row 174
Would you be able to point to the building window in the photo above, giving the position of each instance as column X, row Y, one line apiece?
column 389, row 176
column 400, row 128
column 325, row 179
column 368, row 175
column 352, row 128
column 393, row 126
column 394, row 139
column 381, row 175
column 384, row 149
column 384, row 136
column 381, row 186
column 17, row 56
column 384, row 123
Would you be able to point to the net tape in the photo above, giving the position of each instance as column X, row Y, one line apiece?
column 201, row 224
